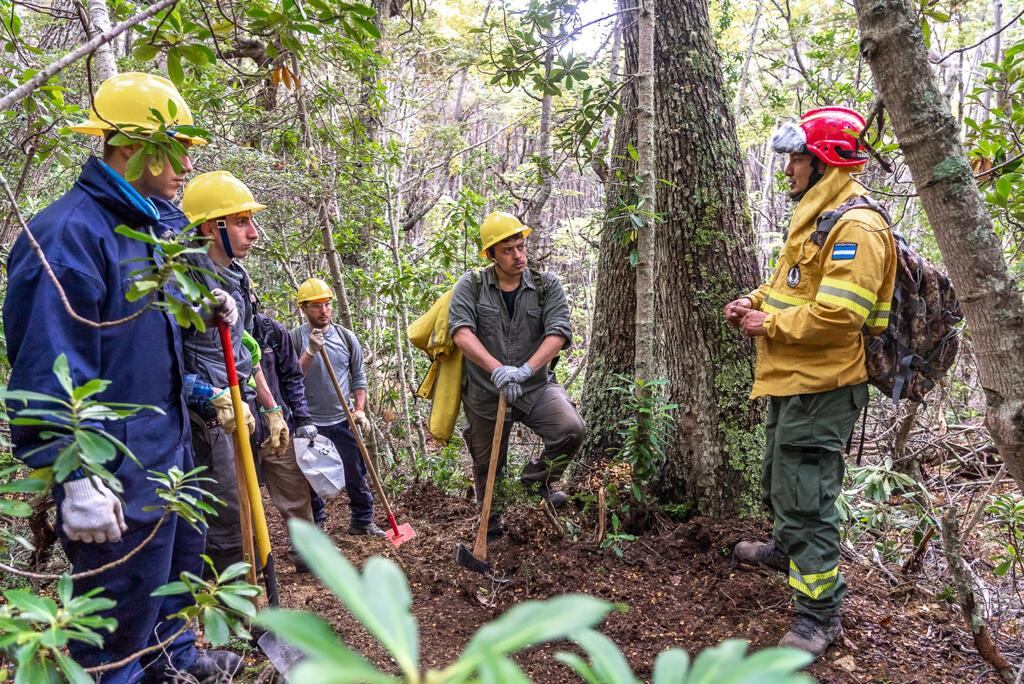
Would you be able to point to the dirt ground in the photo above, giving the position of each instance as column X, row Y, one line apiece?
column 677, row 586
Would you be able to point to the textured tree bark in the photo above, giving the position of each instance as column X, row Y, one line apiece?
column 646, row 330
column 892, row 44
column 706, row 252
column 540, row 238
column 103, row 58
column 612, row 344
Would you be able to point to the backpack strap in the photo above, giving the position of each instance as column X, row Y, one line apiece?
column 827, row 221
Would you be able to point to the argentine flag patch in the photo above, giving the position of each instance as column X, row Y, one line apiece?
column 844, row 251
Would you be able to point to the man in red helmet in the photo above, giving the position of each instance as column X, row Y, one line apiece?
column 834, row 278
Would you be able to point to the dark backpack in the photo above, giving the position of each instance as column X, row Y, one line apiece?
column 922, row 339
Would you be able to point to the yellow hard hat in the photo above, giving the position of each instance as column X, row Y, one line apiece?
column 125, row 100
column 216, row 194
column 496, row 227
column 314, row 289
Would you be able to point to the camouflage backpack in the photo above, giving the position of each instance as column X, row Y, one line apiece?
column 922, row 339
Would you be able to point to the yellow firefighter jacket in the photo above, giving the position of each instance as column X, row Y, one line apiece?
column 819, row 298
column 443, row 384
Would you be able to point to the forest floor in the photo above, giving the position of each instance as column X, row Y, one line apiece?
column 676, row 585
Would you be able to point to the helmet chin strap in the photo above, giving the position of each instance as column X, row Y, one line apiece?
column 225, row 241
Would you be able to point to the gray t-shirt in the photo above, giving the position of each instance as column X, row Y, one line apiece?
column 347, row 359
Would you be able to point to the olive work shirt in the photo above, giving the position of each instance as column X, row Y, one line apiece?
column 512, row 340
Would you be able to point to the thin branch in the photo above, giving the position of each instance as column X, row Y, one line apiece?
column 983, row 40
column 95, row 571
column 22, row 91
column 106, row 667
column 53, row 276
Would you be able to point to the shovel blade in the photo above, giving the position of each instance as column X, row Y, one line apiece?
column 465, row 558
column 282, row 655
column 405, row 533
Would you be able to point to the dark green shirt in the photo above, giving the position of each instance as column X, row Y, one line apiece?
column 512, row 340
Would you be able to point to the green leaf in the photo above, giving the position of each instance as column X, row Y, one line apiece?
column 133, row 169
column 145, row 52
column 75, row 673
column 171, row 589
column 94, row 386
column 368, row 27
column 175, row 72
column 536, row 622
column 316, row 639
column 384, row 613
column 95, row 448
column 605, row 657
column 236, row 603
column 15, row 509
column 63, row 373
column 671, row 667
column 215, row 627
column 31, row 606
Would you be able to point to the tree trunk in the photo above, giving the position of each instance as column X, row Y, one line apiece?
column 612, row 344
column 103, row 58
column 707, row 257
column 327, row 236
column 892, row 44
column 540, row 238
column 646, row 329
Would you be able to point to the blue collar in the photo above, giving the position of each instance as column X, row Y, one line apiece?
column 144, row 205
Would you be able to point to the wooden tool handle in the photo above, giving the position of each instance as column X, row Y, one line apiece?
column 480, row 547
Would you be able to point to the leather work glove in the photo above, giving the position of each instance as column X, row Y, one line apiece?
column 226, row 413
column 306, row 432
column 523, row 373
column 226, row 309
column 278, row 439
column 316, row 342
column 91, row 512
column 502, row 375
column 512, row 391
column 361, row 420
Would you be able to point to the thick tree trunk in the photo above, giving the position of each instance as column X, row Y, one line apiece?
column 892, row 44
column 612, row 345
column 707, row 257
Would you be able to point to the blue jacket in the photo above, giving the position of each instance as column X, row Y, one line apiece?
column 142, row 358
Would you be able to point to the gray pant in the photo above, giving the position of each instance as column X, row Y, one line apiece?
column 554, row 419
column 215, row 449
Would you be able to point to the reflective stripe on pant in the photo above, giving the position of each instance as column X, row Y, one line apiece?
column 286, row 485
column 553, row 418
column 803, row 474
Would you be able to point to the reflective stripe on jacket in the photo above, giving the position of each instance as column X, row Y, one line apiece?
column 820, row 298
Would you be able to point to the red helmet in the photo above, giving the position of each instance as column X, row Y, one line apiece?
column 831, row 135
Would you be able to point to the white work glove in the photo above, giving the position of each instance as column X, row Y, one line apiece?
column 226, row 413
column 91, row 512
column 523, row 373
column 361, row 420
column 502, row 375
column 226, row 308
column 512, row 392
column 316, row 342
column 306, row 432
column 278, row 439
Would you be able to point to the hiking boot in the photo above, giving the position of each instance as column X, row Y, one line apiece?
column 212, row 666
column 370, row 529
column 556, row 499
column 495, row 527
column 760, row 553
column 811, row 635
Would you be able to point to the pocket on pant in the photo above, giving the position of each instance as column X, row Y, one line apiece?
column 807, row 485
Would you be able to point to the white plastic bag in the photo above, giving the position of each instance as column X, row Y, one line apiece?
column 321, row 463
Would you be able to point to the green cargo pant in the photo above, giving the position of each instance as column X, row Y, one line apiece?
column 803, row 475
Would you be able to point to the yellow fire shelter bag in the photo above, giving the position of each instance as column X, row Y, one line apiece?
column 443, row 384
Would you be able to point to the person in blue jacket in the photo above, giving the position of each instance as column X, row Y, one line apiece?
column 142, row 359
